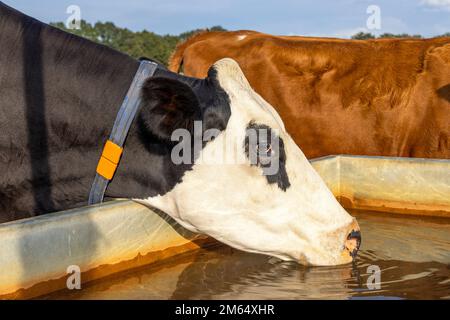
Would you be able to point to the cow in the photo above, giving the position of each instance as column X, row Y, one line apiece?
column 383, row 97
column 59, row 96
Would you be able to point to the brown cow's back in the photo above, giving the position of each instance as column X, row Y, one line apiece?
column 387, row 97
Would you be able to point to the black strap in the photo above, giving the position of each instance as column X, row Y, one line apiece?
column 122, row 124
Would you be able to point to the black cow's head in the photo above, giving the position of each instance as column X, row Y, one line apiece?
column 248, row 184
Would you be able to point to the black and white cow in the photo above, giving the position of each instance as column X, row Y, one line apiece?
column 59, row 96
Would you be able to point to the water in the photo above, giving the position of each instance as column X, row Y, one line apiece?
column 413, row 255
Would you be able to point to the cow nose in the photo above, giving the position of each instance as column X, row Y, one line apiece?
column 353, row 240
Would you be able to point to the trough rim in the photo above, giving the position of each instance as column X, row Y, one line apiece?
column 406, row 159
column 188, row 247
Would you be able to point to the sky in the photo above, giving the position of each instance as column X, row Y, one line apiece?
column 335, row 18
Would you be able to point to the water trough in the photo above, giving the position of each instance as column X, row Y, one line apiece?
column 101, row 240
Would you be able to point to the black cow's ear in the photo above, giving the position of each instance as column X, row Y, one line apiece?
column 167, row 105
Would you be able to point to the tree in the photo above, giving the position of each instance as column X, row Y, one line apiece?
column 363, row 35
column 401, row 35
column 160, row 47
column 188, row 34
column 136, row 44
column 444, row 35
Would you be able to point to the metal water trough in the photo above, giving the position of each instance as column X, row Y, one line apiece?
column 36, row 254
column 396, row 185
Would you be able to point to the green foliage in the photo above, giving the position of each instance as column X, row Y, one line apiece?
column 444, row 35
column 401, row 35
column 136, row 44
column 160, row 47
column 364, row 35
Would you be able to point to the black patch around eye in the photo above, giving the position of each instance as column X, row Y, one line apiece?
column 263, row 147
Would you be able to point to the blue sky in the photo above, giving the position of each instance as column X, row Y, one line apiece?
column 338, row 18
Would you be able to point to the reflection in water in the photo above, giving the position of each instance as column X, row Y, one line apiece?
column 413, row 255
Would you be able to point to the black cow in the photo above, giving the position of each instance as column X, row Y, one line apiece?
column 59, row 96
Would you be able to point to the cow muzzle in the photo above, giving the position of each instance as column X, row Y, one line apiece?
column 352, row 241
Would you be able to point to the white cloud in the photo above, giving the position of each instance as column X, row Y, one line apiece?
column 437, row 4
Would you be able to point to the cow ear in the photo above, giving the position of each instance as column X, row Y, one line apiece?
column 167, row 105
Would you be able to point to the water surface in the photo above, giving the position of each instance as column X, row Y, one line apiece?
column 412, row 254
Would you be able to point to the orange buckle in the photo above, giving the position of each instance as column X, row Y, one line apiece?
column 109, row 160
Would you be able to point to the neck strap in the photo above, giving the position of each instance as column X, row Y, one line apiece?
column 113, row 148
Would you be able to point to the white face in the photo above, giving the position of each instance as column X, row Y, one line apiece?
column 236, row 204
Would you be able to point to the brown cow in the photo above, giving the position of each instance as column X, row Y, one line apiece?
column 388, row 97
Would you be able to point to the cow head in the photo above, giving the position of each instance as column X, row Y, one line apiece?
column 249, row 185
